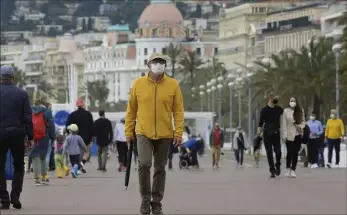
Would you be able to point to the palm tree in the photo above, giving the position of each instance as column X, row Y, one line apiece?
column 47, row 87
column 98, row 92
column 19, row 77
column 217, row 68
column 175, row 54
column 191, row 64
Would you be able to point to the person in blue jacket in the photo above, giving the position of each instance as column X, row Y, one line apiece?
column 15, row 126
column 192, row 147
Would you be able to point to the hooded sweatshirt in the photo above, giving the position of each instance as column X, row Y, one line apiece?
column 40, row 147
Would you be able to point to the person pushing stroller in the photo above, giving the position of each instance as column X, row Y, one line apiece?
column 189, row 152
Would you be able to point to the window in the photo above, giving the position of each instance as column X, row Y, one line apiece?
column 198, row 51
column 145, row 62
column 154, row 50
column 215, row 51
column 262, row 10
column 163, row 23
column 163, row 50
column 145, row 51
column 148, row 24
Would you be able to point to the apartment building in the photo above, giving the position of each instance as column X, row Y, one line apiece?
column 329, row 19
column 289, row 28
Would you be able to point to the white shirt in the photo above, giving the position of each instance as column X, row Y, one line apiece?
column 119, row 132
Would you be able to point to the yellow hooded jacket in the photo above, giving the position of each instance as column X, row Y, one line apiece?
column 153, row 105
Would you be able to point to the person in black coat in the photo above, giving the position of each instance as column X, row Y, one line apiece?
column 84, row 120
column 104, row 135
column 15, row 126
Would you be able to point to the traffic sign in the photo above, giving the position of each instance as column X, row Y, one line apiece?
column 61, row 117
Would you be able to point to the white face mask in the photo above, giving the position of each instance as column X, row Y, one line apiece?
column 332, row 116
column 157, row 68
column 292, row 104
column 312, row 117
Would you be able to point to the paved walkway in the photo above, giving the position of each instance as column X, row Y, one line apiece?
column 206, row 191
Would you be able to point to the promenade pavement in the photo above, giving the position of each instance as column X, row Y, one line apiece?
column 227, row 190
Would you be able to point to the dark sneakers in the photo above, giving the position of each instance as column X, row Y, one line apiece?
column 5, row 206
column 145, row 208
column 278, row 170
column 156, row 208
column 15, row 203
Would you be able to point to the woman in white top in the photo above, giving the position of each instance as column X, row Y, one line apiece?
column 293, row 124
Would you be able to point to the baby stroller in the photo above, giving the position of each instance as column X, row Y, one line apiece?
column 185, row 159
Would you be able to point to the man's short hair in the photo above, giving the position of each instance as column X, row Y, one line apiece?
column 101, row 113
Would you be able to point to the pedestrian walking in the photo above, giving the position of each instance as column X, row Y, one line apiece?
column 293, row 124
column 44, row 132
column 314, row 141
column 84, row 121
column 154, row 100
column 61, row 168
column 15, row 126
column 216, row 144
column 239, row 145
column 269, row 122
column 121, row 142
column 72, row 146
column 104, row 136
column 334, row 134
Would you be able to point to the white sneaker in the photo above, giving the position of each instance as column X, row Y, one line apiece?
column 292, row 174
column 313, row 166
column 287, row 173
column 329, row 165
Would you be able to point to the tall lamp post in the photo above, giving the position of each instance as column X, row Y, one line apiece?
column 213, row 89
column 220, row 88
column 337, row 34
column 202, row 87
column 208, row 92
column 249, row 76
column 230, row 85
column 239, row 83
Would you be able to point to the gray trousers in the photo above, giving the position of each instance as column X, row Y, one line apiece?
column 147, row 149
column 102, row 157
column 39, row 166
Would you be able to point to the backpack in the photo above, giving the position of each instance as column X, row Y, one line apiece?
column 39, row 126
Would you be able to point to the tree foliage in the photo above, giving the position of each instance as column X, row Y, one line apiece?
column 98, row 93
column 175, row 53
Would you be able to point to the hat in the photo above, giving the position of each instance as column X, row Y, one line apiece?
column 6, row 71
column 73, row 127
column 79, row 103
column 156, row 56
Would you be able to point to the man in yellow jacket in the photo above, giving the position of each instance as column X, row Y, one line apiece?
column 154, row 99
column 334, row 134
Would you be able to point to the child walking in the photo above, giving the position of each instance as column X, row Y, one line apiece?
column 72, row 146
column 61, row 168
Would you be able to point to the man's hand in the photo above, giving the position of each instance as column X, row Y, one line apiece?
column 129, row 139
column 177, row 141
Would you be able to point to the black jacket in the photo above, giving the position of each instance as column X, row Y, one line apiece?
column 84, row 120
column 103, row 131
column 15, row 111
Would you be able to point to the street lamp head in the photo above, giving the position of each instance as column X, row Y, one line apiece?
column 202, row 93
column 266, row 61
column 239, row 80
column 337, row 48
column 201, row 87
column 213, row 88
column 238, row 70
column 193, row 89
column 208, row 84
column 208, row 90
column 337, row 34
column 220, row 78
column 249, row 66
column 231, row 84
column 213, row 81
column 219, row 86
column 230, row 76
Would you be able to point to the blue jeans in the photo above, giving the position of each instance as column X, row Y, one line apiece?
column 48, row 155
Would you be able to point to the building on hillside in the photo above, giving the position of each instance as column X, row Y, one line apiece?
column 329, row 20
column 237, row 30
column 122, row 58
column 12, row 54
column 289, row 29
column 97, row 23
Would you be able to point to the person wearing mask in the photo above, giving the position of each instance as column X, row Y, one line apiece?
column 84, row 120
column 334, row 133
column 314, row 141
column 293, row 124
column 154, row 100
column 216, row 144
column 239, row 145
column 270, row 123
column 15, row 126
column 103, row 132
column 119, row 136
